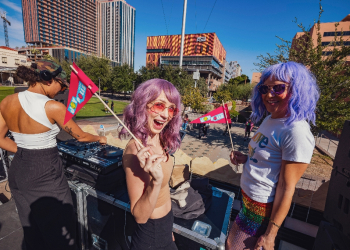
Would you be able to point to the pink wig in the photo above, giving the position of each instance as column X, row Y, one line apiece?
column 135, row 114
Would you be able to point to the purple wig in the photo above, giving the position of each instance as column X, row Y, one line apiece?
column 135, row 114
column 303, row 88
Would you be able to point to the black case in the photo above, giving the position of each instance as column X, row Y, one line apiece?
column 337, row 208
column 108, row 217
column 330, row 238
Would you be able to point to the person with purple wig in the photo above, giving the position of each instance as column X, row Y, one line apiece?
column 279, row 153
column 153, row 117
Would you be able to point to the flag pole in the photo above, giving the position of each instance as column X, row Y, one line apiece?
column 109, row 109
column 228, row 128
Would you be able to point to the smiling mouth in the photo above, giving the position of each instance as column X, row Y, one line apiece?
column 158, row 124
column 272, row 102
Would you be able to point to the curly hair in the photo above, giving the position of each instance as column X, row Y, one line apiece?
column 304, row 92
column 28, row 75
column 135, row 114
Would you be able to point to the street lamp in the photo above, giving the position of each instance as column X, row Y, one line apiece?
column 99, row 87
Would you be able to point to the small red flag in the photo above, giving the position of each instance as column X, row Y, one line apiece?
column 215, row 116
column 81, row 89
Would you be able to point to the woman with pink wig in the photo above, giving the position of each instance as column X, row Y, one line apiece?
column 153, row 117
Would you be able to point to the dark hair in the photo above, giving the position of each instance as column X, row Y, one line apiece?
column 28, row 75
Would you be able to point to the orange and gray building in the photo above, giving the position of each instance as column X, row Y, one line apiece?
column 328, row 32
column 203, row 52
column 102, row 28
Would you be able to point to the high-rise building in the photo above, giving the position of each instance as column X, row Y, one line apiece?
column 116, row 31
column 66, row 23
column 203, row 52
column 229, row 70
column 99, row 27
column 328, row 33
column 237, row 70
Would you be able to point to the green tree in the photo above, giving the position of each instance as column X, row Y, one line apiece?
column 222, row 94
column 242, row 79
column 193, row 98
column 332, row 72
column 122, row 78
column 233, row 112
column 96, row 68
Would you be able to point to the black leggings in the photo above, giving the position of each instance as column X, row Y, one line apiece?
column 43, row 199
column 155, row 234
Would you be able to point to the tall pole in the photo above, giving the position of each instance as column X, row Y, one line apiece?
column 183, row 33
column 99, row 87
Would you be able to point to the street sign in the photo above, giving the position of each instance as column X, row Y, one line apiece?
column 196, row 75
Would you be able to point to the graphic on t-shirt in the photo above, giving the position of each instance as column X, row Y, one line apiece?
column 261, row 139
column 262, row 142
column 251, row 153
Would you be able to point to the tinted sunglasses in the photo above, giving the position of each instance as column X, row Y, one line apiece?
column 63, row 86
column 158, row 107
column 278, row 89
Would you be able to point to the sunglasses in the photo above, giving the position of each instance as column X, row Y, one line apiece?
column 63, row 86
column 158, row 107
column 278, row 89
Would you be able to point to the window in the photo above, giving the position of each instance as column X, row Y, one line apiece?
column 339, row 33
column 4, row 60
column 346, row 43
column 208, row 49
column 327, row 53
column 157, row 50
column 17, row 61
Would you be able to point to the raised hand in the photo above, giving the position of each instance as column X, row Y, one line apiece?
column 151, row 162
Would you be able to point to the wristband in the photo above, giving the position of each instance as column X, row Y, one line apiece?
column 275, row 224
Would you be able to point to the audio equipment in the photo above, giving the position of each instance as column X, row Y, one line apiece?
column 330, row 238
column 337, row 208
column 100, row 158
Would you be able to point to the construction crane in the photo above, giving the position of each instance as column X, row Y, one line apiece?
column 3, row 16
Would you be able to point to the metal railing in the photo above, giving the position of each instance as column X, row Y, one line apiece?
column 320, row 137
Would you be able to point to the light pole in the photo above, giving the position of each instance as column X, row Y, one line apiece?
column 183, row 33
column 99, row 87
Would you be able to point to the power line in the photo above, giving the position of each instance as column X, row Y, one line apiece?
column 209, row 15
column 195, row 13
column 164, row 17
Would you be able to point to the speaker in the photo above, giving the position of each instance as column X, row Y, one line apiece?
column 330, row 238
column 108, row 220
column 60, row 97
column 337, row 208
column 342, row 156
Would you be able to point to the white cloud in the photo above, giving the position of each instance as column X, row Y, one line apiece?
column 13, row 6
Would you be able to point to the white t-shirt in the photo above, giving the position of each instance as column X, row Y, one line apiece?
column 272, row 143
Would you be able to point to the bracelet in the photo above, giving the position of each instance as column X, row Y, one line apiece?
column 274, row 223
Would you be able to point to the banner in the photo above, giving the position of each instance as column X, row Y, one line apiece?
column 215, row 116
column 79, row 92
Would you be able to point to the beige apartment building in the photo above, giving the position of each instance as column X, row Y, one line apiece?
column 9, row 61
column 328, row 34
column 255, row 78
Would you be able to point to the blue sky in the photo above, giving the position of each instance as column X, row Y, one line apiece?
column 245, row 28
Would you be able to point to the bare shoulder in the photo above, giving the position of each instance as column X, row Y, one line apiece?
column 8, row 100
column 53, row 105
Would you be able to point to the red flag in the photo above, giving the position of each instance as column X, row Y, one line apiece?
column 215, row 116
column 80, row 91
